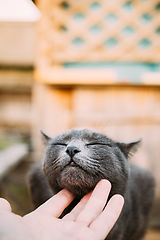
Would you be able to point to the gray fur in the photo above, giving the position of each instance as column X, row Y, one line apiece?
column 78, row 159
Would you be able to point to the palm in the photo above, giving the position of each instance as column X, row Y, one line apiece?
column 86, row 221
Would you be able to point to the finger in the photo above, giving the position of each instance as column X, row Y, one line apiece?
column 56, row 204
column 95, row 204
column 77, row 209
column 5, row 205
column 106, row 220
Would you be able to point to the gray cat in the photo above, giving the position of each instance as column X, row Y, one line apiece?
column 78, row 159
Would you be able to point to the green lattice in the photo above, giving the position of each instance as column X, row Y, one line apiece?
column 104, row 30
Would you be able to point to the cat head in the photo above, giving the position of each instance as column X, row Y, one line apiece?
column 78, row 159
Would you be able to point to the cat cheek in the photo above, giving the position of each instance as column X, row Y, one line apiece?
column 85, row 151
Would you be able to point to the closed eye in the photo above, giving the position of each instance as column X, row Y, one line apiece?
column 60, row 144
column 98, row 143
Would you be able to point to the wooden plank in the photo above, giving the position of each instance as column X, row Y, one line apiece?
column 62, row 76
column 92, row 76
column 118, row 105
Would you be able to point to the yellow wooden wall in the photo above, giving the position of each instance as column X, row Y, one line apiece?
column 64, row 98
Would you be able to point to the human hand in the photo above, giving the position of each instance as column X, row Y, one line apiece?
column 86, row 221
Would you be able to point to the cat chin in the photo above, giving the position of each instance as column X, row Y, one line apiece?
column 77, row 181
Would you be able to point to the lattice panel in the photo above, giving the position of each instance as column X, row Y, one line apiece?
column 99, row 30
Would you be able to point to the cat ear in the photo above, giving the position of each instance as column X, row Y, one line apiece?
column 46, row 138
column 129, row 148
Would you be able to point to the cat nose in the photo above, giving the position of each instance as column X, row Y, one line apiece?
column 72, row 150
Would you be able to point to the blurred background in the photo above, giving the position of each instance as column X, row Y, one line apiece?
column 77, row 63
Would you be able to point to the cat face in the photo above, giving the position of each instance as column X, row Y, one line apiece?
column 78, row 159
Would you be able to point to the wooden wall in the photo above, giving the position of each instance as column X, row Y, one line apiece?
column 77, row 96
